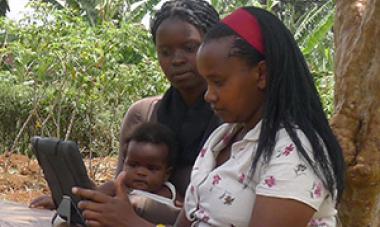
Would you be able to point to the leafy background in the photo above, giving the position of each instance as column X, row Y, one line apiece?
column 71, row 70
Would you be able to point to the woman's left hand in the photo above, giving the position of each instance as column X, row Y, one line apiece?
column 101, row 210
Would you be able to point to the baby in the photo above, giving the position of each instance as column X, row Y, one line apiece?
column 151, row 155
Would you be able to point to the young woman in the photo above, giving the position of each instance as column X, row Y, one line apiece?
column 276, row 161
column 177, row 30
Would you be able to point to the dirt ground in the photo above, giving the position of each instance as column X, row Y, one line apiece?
column 21, row 178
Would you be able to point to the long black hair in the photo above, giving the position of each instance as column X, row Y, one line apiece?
column 292, row 100
column 196, row 12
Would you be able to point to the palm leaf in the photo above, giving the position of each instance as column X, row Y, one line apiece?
column 142, row 8
column 56, row 3
column 308, row 21
column 318, row 34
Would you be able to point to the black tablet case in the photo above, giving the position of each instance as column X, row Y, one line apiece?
column 63, row 168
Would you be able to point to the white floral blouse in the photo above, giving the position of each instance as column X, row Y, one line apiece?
column 225, row 195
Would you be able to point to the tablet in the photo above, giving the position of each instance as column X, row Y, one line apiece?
column 63, row 168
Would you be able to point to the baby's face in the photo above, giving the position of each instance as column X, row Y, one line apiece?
column 146, row 166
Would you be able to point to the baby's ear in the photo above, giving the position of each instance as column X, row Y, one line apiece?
column 262, row 77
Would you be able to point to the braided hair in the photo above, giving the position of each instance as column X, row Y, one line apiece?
column 292, row 99
column 196, row 12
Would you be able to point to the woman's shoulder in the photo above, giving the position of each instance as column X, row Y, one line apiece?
column 140, row 111
column 143, row 107
column 143, row 104
column 283, row 138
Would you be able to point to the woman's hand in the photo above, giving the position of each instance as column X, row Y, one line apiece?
column 100, row 209
column 45, row 202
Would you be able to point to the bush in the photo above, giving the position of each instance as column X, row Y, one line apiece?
column 70, row 79
column 63, row 76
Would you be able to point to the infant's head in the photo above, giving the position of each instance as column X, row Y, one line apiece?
column 151, row 154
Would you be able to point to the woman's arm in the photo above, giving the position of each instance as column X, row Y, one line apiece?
column 274, row 212
column 289, row 191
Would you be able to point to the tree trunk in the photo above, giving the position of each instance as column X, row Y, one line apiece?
column 356, row 121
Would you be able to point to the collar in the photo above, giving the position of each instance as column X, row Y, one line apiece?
column 254, row 134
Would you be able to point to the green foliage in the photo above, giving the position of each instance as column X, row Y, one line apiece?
column 312, row 29
column 72, row 79
column 138, row 12
column 16, row 102
column 71, row 71
column 98, row 11
column 224, row 7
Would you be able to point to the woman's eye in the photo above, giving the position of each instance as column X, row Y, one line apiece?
column 191, row 48
column 218, row 83
column 164, row 52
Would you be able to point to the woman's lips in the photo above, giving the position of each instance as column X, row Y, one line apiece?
column 181, row 76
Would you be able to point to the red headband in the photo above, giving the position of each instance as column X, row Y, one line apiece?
column 247, row 27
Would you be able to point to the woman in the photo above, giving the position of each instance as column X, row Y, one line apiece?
column 177, row 30
column 276, row 161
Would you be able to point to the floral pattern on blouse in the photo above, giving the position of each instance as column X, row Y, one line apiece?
column 270, row 181
column 202, row 152
column 204, row 216
column 316, row 190
column 227, row 198
column 317, row 223
column 216, row 180
column 286, row 151
column 221, row 196
column 300, row 169
column 242, row 178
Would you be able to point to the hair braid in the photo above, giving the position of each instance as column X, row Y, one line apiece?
column 196, row 12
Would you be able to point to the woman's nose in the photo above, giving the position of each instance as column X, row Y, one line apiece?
column 178, row 57
column 210, row 95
